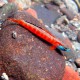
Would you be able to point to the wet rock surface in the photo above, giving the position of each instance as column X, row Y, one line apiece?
column 24, row 57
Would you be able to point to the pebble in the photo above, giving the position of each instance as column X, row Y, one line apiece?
column 71, row 5
column 78, row 61
column 75, row 23
column 72, row 65
column 71, row 35
column 71, row 27
column 76, row 46
column 7, row 11
column 78, row 37
column 14, row 35
column 4, row 76
column 2, row 2
column 78, row 70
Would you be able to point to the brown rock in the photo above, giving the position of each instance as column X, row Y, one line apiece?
column 26, row 57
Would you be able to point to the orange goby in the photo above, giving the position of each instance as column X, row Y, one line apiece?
column 40, row 33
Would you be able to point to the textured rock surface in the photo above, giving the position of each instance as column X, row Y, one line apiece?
column 23, row 56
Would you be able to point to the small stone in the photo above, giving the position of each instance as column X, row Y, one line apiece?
column 22, row 4
column 2, row 2
column 71, row 64
column 78, row 36
column 32, row 12
column 4, row 76
column 14, row 35
column 72, row 35
column 0, row 28
column 78, row 61
column 70, row 74
column 76, row 46
column 78, row 70
column 62, row 19
column 71, row 27
column 71, row 5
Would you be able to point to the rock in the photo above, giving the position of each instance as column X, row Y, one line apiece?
column 71, row 5
column 7, row 10
column 32, row 12
column 2, row 2
column 71, row 27
column 49, row 1
column 26, row 57
column 78, row 70
column 62, row 20
column 22, row 4
column 46, row 1
column 78, row 36
column 70, row 74
column 72, row 65
column 78, row 61
column 75, row 23
column 76, row 46
column 70, row 14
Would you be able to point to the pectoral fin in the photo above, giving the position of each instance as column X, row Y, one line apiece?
column 63, row 48
column 52, row 47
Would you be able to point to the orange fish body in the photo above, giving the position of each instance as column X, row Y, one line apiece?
column 42, row 34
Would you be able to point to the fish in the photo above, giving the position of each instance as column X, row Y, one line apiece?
column 41, row 34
